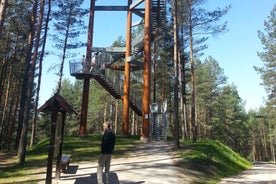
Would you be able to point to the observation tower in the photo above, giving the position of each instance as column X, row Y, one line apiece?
column 136, row 54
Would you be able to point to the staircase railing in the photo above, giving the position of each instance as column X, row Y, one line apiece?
column 111, row 80
column 115, row 80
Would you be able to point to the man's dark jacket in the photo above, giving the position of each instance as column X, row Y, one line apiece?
column 108, row 142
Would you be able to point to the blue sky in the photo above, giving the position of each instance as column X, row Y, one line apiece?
column 235, row 50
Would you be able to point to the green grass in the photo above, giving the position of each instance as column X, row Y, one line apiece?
column 211, row 161
column 82, row 149
column 206, row 161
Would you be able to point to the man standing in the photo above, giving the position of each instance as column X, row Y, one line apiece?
column 107, row 148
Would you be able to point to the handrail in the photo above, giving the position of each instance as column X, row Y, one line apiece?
column 111, row 80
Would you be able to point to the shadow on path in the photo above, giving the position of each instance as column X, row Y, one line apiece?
column 113, row 179
column 153, row 163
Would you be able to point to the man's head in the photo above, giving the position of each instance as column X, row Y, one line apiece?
column 106, row 125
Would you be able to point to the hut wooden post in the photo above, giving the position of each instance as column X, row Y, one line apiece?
column 57, row 176
column 51, row 148
column 54, row 105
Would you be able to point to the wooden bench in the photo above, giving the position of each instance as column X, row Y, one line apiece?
column 65, row 160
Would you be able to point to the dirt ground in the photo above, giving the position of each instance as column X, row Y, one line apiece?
column 7, row 159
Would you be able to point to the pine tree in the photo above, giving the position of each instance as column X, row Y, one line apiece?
column 69, row 24
column 268, row 76
column 209, row 80
column 268, row 40
column 229, row 117
column 27, row 87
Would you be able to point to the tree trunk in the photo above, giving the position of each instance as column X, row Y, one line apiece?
column 137, row 125
column 3, row 8
column 253, row 145
column 4, row 120
column 182, row 93
column 116, row 116
column 272, row 151
column 154, row 70
column 264, row 142
column 64, row 51
column 3, row 80
column 105, row 112
column 12, row 115
column 176, row 75
column 193, row 123
column 27, row 89
column 132, row 122
column 3, row 74
column 35, row 56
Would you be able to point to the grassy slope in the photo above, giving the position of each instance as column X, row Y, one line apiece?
column 81, row 149
column 209, row 161
column 206, row 161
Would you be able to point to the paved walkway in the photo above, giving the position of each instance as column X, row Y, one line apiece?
column 261, row 173
column 151, row 163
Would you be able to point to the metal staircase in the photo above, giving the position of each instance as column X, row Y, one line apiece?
column 159, row 123
column 158, row 15
column 108, row 87
column 109, row 82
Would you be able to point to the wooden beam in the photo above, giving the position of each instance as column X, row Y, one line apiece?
column 117, row 67
column 135, row 4
column 109, row 49
column 145, row 137
column 111, row 8
column 125, row 123
column 122, row 68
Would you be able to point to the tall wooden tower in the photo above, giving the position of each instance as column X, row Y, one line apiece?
column 152, row 13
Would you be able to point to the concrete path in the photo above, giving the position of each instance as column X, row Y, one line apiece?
column 261, row 173
column 151, row 163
